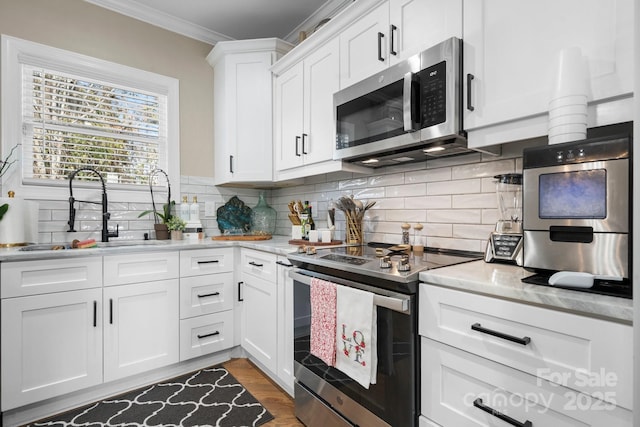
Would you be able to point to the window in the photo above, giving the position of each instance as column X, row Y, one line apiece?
column 70, row 111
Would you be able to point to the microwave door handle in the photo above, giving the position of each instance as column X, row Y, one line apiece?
column 409, row 101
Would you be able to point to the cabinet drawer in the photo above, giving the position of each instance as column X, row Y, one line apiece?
column 259, row 264
column 455, row 383
column 206, row 261
column 53, row 275
column 205, row 294
column 586, row 354
column 206, row 334
column 140, row 267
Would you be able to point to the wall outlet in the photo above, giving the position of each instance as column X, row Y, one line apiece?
column 209, row 209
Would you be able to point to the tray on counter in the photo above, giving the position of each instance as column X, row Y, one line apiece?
column 242, row 237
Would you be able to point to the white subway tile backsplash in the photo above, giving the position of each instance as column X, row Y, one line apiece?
column 407, row 190
column 479, row 170
column 428, row 202
column 466, row 186
column 455, row 216
column 453, row 197
column 479, row 200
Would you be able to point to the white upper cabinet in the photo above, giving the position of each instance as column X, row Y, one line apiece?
column 305, row 129
column 243, row 109
column 511, row 54
column 393, row 31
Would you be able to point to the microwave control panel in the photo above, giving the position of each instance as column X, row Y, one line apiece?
column 433, row 84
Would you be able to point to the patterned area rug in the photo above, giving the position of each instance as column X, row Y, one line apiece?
column 209, row 397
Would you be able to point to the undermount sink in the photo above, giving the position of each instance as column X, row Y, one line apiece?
column 111, row 244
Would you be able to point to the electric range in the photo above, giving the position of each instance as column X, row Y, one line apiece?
column 369, row 263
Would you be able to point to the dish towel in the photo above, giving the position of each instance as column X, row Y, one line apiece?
column 323, row 320
column 356, row 335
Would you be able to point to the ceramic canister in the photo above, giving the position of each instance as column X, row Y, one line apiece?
column 12, row 232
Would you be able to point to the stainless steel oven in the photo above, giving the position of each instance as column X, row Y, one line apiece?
column 326, row 397
column 576, row 199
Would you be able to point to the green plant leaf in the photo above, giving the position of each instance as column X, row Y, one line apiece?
column 3, row 210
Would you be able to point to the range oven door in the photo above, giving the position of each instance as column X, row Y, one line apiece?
column 389, row 402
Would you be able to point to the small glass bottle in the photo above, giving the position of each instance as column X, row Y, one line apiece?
column 184, row 209
column 194, row 210
column 405, row 233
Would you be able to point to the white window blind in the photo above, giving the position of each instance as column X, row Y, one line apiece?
column 71, row 121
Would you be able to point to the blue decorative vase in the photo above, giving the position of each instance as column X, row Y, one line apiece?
column 263, row 217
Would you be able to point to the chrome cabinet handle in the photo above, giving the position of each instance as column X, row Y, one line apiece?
column 392, row 29
column 240, row 299
column 255, row 264
column 212, row 261
column 111, row 311
column 380, row 37
column 304, row 145
column 298, row 146
column 95, row 314
column 478, row 404
column 478, row 327
column 231, row 164
column 470, row 78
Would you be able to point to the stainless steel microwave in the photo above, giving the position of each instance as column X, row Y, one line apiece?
column 409, row 112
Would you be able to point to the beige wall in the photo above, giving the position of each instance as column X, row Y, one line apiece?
column 81, row 27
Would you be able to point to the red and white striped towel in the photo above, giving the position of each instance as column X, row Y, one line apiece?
column 323, row 320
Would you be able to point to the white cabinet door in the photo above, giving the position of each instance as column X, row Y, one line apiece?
column 51, row 345
column 285, row 324
column 259, row 319
column 289, row 118
column 243, row 144
column 321, row 81
column 364, row 46
column 511, row 49
column 141, row 325
column 416, row 25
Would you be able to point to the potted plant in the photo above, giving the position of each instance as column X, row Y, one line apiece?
column 161, row 228
column 176, row 226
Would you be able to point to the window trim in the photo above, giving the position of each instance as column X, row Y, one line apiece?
column 17, row 51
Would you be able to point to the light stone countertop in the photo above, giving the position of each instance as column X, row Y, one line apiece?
column 278, row 245
column 504, row 281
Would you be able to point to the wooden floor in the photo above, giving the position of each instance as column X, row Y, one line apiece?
column 272, row 397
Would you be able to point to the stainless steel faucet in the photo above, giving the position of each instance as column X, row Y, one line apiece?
column 105, row 215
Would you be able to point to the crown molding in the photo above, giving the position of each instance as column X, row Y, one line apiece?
column 162, row 20
column 328, row 10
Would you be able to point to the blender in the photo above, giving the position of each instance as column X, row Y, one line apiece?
column 505, row 243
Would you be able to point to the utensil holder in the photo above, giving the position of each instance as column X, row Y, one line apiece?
column 354, row 231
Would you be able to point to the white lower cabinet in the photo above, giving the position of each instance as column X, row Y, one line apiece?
column 206, row 301
column 462, row 389
column 486, row 359
column 206, row 334
column 266, row 298
column 140, row 327
column 259, row 310
column 285, row 325
column 51, row 345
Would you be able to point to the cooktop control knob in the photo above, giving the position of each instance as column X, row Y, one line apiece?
column 385, row 262
column 403, row 264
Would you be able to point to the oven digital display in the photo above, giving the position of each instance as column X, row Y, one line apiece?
column 578, row 194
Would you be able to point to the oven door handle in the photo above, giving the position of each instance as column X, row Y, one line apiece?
column 399, row 302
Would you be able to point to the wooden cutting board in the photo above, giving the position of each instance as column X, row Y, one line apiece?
column 243, row 237
column 308, row 243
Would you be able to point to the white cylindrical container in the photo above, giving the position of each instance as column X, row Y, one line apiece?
column 568, row 104
column 12, row 230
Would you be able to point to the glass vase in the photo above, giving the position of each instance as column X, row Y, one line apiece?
column 263, row 217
